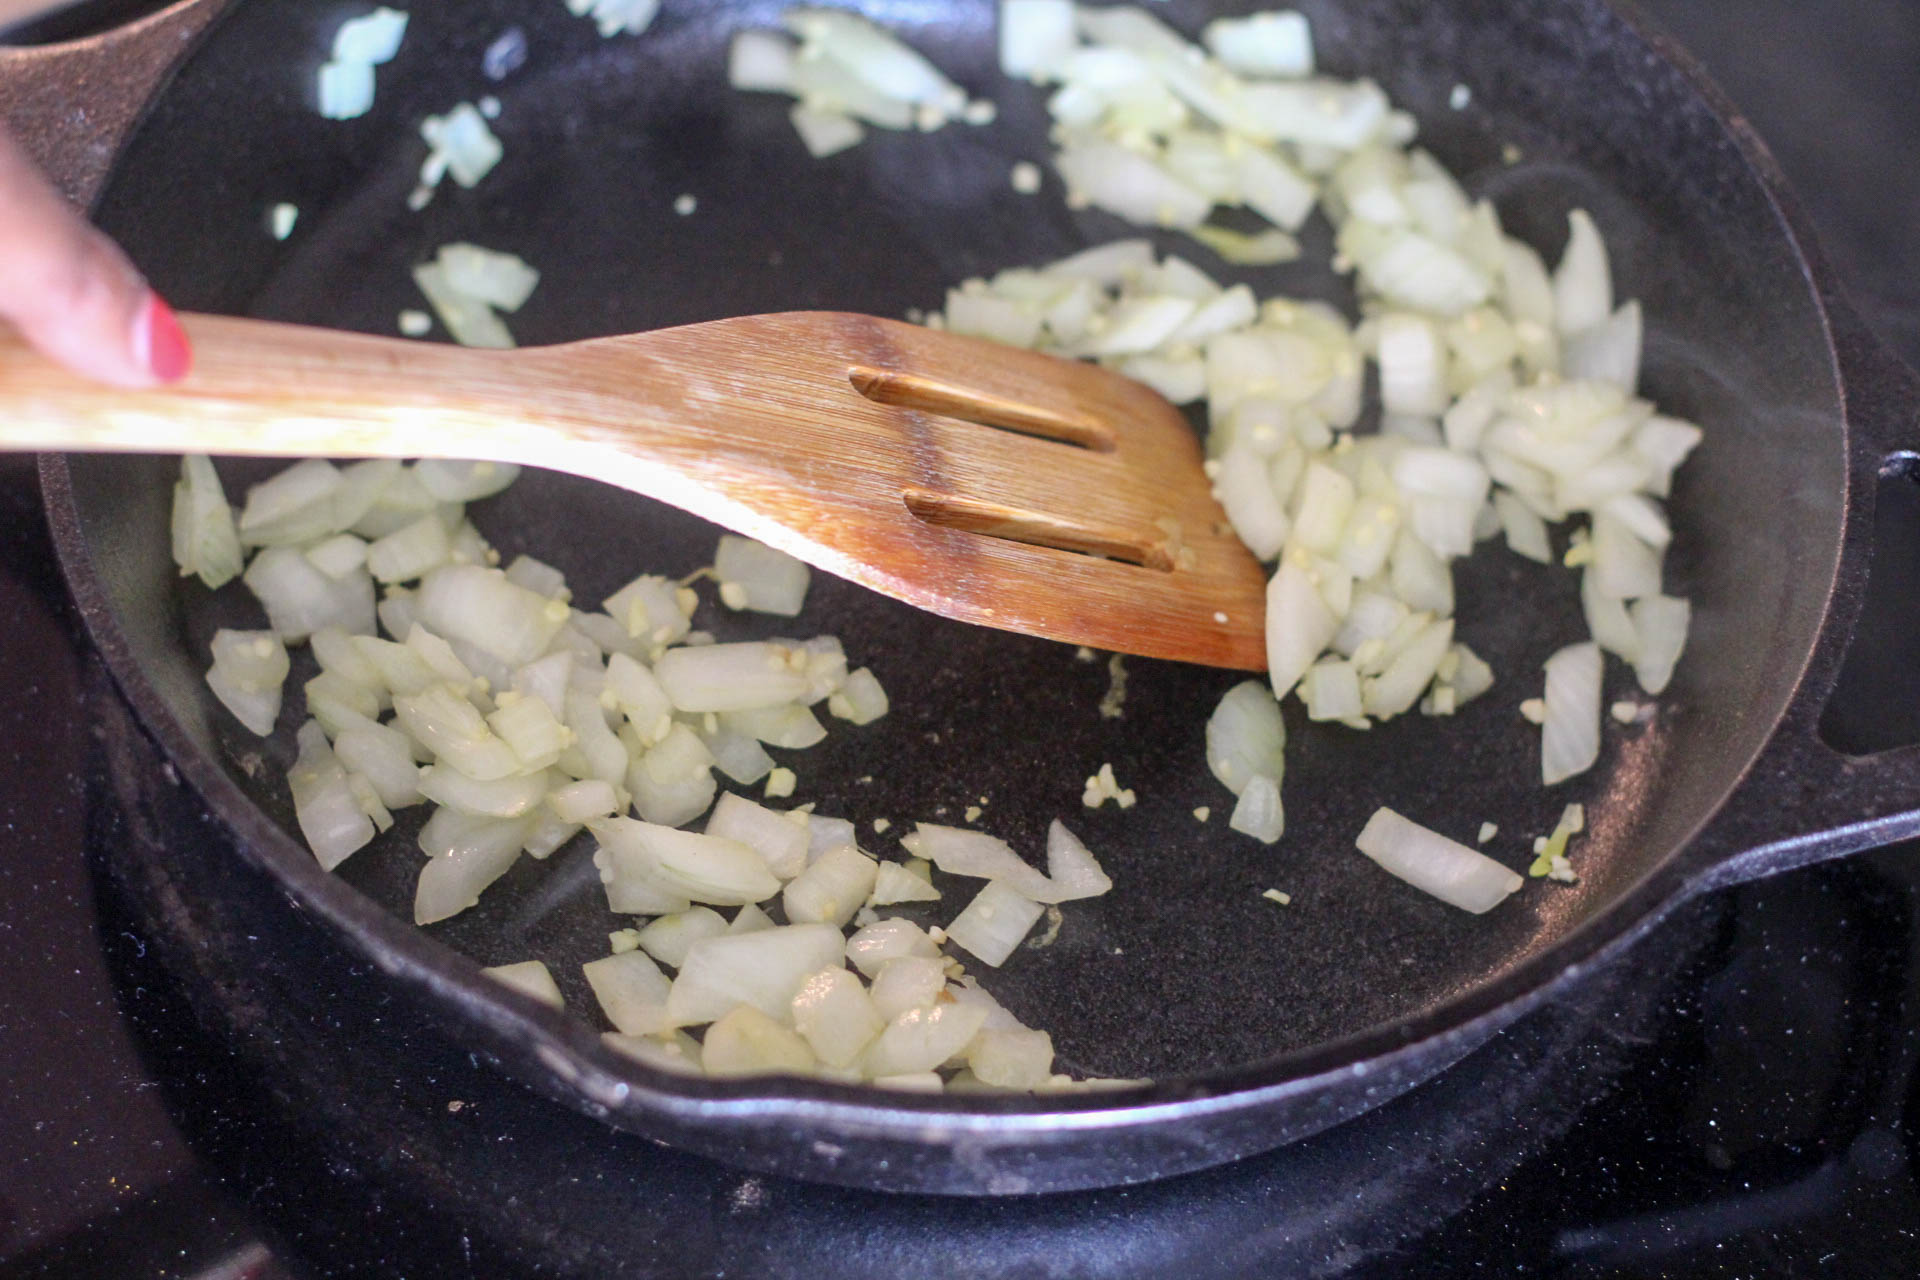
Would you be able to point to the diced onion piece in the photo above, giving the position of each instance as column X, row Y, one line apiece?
column 678, row 1053
column 835, row 1016
column 478, row 605
column 441, row 719
column 764, row 969
column 1526, row 531
column 782, row 844
column 329, row 814
column 300, row 599
column 601, row 753
column 1608, row 351
column 371, row 39
column 453, row 882
column 1570, row 737
column 1126, row 183
column 894, row 884
column 249, row 670
column 1608, row 621
column 993, row 924
column 584, row 801
column 345, row 90
column 760, row 62
column 470, row 321
column 509, row 797
column 884, row 940
column 1430, row 862
column 632, row 992
column 1071, row 866
column 673, row 782
column 738, row 755
column 700, row 867
column 908, row 982
column 1299, row 624
column 750, row 919
column 650, row 608
column 772, row 581
column 1278, row 43
column 730, row 677
column 531, row 978
column 975, row 853
column 1412, row 669
column 408, row 553
column 1624, row 567
column 832, row 888
column 824, row 133
column 614, row 17
column 669, row 938
column 746, row 1041
column 1582, row 283
column 921, row 1039
column 1012, row 1058
column 462, row 146
column 205, row 541
column 860, row 699
column 1246, row 737
column 1661, row 623
column 1036, row 36
column 791, row 727
column 1258, row 812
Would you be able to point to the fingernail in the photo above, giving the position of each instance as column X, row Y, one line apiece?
column 161, row 342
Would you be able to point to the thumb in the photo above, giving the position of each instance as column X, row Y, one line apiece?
column 71, row 291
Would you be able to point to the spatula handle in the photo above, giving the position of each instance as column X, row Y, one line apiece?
column 276, row 390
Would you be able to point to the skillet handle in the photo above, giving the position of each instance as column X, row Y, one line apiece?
column 72, row 104
column 1828, row 803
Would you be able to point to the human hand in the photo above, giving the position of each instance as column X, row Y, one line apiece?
column 71, row 291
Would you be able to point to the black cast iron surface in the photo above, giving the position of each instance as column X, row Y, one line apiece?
column 1795, row 1034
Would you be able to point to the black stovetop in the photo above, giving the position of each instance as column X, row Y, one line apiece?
column 1737, row 1099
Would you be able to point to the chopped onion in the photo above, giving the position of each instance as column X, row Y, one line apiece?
column 632, row 992
column 831, row 888
column 921, row 1039
column 453, row 882
column 975, row 853
column 509, row 797
column 249, row 669
column 1277, row 43
column 329, row 815
column 1582, row 283
column 746, row 1041
column 1246, row 738
column 1661, row 624
column 669, row 938
column 771, row 581
column 1012, row 1058
column 205, row 540
column 300, row 599
column 1570, row 737
column 764, row 969
column 835, row 1016
column 780, row 843
column 872, row 947
column 993, row 924
column 1071, row 866
column 1258, row 812
column 1429, row 861
column 894, row 884
column 860, row 700
column 531, row 978
column 731, row 677
column 908, row 982
column 702, row 868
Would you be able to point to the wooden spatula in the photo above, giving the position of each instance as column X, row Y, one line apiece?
column 981, row 482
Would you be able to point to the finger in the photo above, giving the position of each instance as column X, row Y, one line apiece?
column 73, row 293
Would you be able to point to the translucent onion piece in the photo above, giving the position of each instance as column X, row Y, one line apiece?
column 329, row 815
column 746, row 1041
column 781, row 843
column 1258, row 812
column 205, row 540
column 669, row 938
column 1430, row 862
column 1570, row 737
column 1661, row 623
column 1071, row 866
column 993, row 924
column 835, row 1016
column 700, row 867
column 1013, row 1058
column 1582, row 283
column 831, row 889
column 531, row 978
column 770, row 581
column 1246, row 738
column 884, row 940
column 764, row 969
column 632, row 992
column 922, row 1039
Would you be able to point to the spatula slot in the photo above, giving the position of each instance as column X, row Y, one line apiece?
column 997, row 520
column 916, row 391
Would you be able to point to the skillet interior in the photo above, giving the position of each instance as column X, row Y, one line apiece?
column 1183, row 967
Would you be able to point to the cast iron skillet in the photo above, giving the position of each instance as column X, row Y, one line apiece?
column 1258, row 1024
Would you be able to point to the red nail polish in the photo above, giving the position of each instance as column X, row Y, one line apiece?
column 169, row 355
